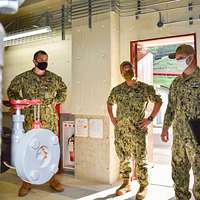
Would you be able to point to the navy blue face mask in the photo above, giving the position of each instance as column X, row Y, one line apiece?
column 42, row 65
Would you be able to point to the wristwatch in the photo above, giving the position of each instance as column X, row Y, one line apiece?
column 150, row 118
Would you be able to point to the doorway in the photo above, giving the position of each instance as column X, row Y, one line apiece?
column 153, row 66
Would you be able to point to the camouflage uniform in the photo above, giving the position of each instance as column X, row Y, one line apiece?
column 49, row 88
column 130, row 140
column 184, row 103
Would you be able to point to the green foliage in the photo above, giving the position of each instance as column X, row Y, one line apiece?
column 163, row 80
column 162, row 64
column 166, row 65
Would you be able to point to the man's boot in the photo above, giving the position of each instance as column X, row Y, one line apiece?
column 141, row 193
column 24, row 189
column 124, row 188
column 55, row 184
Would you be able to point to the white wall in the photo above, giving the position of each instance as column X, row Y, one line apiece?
column 19, row 59
column 115, row 78
column 96, row 54
column 145, row 69
column 95, row 69
column 91, row 65
column 90, row 71
column 145, row 28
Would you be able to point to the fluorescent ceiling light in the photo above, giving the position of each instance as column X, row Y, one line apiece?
column 28, row 33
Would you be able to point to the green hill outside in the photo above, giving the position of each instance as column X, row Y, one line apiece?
column 162, row 64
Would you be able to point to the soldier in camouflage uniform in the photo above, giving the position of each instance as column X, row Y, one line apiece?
column 131, row 98
column 39, row 83
column 183, row 105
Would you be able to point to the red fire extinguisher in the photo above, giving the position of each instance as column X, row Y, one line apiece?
column 71, row 148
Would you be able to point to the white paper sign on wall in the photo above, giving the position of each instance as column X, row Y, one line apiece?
column 81, row 127
column 96, row 128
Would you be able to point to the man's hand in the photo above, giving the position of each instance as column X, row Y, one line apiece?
column 165, row 135
column 114, row 121
column 112, row 118
column 144, row 123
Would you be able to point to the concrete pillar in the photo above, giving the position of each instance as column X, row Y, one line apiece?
column 95, row 70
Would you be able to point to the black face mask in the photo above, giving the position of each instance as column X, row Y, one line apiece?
column 128, row 75
column 42, row 65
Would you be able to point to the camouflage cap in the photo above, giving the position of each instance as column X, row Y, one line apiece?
column 124, row 63
column 184, row 48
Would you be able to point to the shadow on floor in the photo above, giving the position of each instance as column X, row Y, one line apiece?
column 76, row 192
column 113, row 196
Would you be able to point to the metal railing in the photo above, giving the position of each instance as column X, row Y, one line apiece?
column 62, row 18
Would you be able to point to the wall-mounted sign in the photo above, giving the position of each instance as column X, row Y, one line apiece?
column 96, row 128
column 81, row 127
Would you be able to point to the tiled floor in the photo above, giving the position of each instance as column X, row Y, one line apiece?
column 160, row 188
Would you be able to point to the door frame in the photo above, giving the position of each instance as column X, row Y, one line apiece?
column 134, row 49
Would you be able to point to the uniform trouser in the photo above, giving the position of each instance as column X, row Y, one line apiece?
column 185, row 154
column 48, row 118
column 132, row 145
